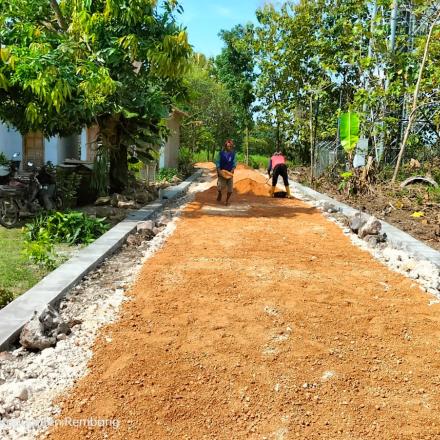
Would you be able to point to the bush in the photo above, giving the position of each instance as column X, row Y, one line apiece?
column 185, row 162
column 41, row 252
column 66, row 227
column 71, row 227
column 67, row 185
column 6, row 297
column 200, row 156
column 166, row 174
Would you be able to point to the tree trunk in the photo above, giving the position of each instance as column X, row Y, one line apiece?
column 111, row 140
column 412, row 115
column 118, row 169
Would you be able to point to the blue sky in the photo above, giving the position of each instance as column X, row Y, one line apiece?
column 205, row 18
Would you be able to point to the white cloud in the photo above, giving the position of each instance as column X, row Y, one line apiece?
column 223, row 11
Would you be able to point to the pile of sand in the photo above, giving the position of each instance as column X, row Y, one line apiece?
column 250, row 186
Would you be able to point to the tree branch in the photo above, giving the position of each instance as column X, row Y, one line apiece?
column 59, row 15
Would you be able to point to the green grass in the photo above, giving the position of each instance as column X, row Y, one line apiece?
column 16, row 273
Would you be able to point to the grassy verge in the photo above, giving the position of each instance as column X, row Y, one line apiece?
column 16, row 273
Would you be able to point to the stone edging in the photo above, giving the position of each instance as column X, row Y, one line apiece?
column 395, row 237
column 55, row 285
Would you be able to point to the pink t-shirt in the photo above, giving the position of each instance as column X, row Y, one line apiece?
column 276, row 160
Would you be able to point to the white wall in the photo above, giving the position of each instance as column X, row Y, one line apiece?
column 84, row 144
column 51, row 150
column 11, row 141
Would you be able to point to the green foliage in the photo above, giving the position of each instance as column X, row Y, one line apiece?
column 6, row 296
column 3, row 159
column 235, row 68
column 319, row 58
column 256, row 161
column 434, row 194
column 166, row 174
column 68, row 183
column 41, row 252
column 16, row 274
column 70, row 227
column 100, row 176
column 185, row 162
column 349, row 131
column 211, row 112
column 346, row 177
column 115, row 63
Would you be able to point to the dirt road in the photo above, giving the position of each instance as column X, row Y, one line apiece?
column 262, row 321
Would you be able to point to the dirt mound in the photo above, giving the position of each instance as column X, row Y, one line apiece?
column 208, row 165
column 250, row 186
column 242, row 166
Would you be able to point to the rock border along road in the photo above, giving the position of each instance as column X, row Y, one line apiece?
column 55, row 285
column 396, row 238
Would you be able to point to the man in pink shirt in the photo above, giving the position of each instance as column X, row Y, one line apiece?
column 278, row 167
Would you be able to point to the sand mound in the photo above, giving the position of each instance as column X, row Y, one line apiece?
column 208, row 165
column 250, row 186
column 242, row 166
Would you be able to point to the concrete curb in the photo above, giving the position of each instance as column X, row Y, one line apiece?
column 396, row 238
column 55, row 285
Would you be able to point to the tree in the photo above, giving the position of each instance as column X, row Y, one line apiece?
column 211, row 112
column 319, row 58
column 117, row 63
column 234, row 67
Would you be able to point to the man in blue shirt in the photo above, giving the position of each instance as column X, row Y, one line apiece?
column 226, row 164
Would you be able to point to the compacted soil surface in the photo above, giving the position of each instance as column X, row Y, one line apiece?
column 261, row 320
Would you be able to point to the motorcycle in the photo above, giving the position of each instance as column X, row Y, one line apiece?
column 27, row 196
column 7, row 171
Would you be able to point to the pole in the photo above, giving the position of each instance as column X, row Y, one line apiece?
column 247, row 145
column 312, row 152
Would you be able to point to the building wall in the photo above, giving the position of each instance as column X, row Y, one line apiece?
column 51, row 150
column 11, row 141
column 170, row 151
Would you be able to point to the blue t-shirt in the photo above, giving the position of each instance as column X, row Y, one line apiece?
column 226, row 160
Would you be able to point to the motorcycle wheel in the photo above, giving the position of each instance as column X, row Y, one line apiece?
column 9, row 213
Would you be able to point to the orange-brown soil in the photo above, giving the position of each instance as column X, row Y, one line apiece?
column 261, row 320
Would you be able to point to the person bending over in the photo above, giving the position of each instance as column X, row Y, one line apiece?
column 278, row 167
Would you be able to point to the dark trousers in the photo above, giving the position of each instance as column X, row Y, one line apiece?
column 280, row 170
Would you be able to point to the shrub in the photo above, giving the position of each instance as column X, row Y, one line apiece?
column 66, row 227
column 166, row 174
column 185, row 162
column 6, row 297
column 41, row 252
column 69, row 227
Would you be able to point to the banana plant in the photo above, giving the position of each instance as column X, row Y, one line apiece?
column 349, row 131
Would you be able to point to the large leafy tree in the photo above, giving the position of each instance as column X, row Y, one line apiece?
column 117, row 63
column 210, row 108
column 235, row 68
column 322, row 57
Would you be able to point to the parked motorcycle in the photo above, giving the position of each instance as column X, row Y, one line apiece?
column 27, row 196
column 7, row 171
